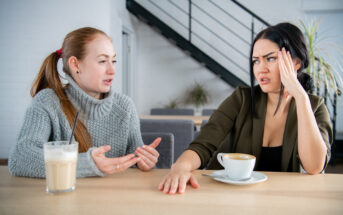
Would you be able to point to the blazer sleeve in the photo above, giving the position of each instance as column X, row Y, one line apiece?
column 324, row 124
column 219, row 125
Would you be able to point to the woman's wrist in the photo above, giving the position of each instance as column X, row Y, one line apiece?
column 302, row 96
column 181, row 165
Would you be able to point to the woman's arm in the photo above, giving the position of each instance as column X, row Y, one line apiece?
column 202, row 148
column 27, row 156
column 311, row 146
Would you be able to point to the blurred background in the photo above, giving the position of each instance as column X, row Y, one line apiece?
column 163, row 47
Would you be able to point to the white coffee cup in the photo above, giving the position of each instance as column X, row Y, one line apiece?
column 237, row 166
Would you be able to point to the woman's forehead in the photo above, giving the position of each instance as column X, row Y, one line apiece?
column 100, row 45
column 263, row 47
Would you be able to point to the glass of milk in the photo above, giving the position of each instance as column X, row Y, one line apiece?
column 60, row 159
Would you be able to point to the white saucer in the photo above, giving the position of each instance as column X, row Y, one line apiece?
column 256, row 177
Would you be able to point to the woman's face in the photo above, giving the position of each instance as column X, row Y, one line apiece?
column 96, row 70
column 265, row 65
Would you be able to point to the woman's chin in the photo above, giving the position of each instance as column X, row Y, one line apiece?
column 106, row 89
column 267, row 89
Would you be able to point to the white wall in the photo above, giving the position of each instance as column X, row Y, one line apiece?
column 166, row 73
column 30, row 30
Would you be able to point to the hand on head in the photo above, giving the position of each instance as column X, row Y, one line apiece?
column 148, row 154
column 288, row 74
column 112, row 165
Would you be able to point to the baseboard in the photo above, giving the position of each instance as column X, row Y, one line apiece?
column 3, row 162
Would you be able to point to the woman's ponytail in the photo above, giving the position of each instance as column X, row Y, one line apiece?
column 48, row 77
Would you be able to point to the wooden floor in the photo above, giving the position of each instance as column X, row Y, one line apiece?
column 337, row 168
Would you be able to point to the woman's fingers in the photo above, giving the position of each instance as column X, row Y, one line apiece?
column 123, row 166
column 282, row 67
column 148, row 152
column 176, row 182
column 166, row 185
column 125, row 158
column 161, row 185
column 150, row 162
column 174, row 185
column 288, row 63
column 144, row 163
column 193, row 181
column 183, row 184
column 101, row 150
column 156, row 142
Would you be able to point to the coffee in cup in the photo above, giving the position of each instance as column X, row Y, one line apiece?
column 60, row 166
column 237, row 166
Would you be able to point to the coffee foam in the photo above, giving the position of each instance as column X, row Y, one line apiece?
column 59, row 155
column 239, row 156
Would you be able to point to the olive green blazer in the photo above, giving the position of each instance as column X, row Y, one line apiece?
column 231, row 128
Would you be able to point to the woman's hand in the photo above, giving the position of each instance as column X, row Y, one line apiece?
column 148, row 154
column 177, row 180
column 288, row 74
column 112, row 165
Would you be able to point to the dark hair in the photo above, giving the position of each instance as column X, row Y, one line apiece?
column 292, row 39
column 74, row 44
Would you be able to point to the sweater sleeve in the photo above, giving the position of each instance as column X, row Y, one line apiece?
column 218, row 127
column 27, row 156
column 135, row 137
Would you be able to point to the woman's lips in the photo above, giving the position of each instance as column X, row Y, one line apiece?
column 264, row 81
column 108, row 81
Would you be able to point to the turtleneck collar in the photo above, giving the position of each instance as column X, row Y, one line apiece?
column 91, row 107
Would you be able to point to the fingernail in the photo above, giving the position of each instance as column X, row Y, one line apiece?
column 144, row 146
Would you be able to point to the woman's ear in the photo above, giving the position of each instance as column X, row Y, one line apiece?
column 73, row 64
column 297, row 64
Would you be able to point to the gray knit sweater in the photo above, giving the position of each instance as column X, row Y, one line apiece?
column 110, row 121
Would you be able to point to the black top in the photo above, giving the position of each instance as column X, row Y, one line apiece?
column 270, row 159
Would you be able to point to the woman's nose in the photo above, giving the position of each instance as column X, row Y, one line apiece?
column 262, row 67
column 111, row 69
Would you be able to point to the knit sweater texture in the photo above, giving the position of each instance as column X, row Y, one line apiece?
column 110, row 121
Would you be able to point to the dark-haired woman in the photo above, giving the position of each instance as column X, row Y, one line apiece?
column 109, row 122
column 278, row 121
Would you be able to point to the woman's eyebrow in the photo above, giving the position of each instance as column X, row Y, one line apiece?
column 105, row 55
column 266, row 55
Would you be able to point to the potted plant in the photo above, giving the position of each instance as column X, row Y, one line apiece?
column 326, row 76
column 173, row 104
column 198, row 96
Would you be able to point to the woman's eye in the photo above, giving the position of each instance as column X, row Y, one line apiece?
column 255, row 62
column 114, row 61
column 271, row 59
column 102, row 61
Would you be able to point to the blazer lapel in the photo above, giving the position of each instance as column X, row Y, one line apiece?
column 289, row 136
column 258, row 124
